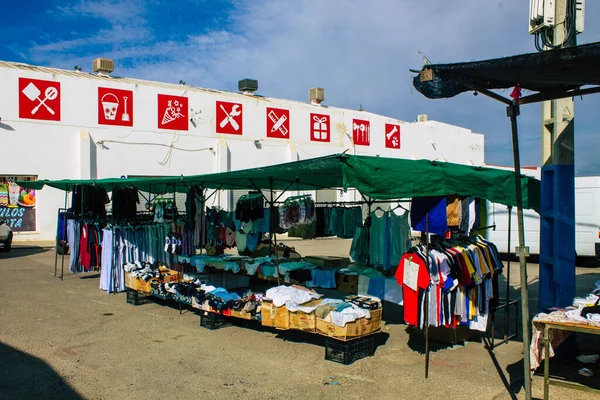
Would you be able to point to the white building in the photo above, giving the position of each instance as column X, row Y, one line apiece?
column 59, row 124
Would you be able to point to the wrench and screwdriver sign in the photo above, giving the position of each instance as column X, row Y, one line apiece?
column 39, row 99
column 229, row 118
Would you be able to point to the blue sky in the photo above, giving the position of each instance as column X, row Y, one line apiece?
column 359, row 51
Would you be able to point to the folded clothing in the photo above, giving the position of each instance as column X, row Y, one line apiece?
column 296, row 294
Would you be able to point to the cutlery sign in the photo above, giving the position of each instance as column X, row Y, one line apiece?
column 115, row 107
column 39, row 99
column 229, row 118
column 278, row 123
column 392, row 136
column 361, row 132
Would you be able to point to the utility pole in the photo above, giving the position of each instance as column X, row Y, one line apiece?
column 557, row 230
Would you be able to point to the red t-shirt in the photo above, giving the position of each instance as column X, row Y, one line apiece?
column 410, row 296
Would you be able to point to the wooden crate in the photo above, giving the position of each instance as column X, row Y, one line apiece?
column 352, row 330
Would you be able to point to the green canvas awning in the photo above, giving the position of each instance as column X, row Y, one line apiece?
column 160, row 185
column 376, row 177
column 390, row 178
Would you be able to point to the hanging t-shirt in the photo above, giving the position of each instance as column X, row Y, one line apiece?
column 436, row 206
column 412, row 275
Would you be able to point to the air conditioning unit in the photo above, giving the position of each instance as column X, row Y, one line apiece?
column 317, row 95
column 541, row 14
column 422, row 118
column 248, row 86
column 103, row 65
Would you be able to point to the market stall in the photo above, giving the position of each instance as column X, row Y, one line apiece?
column 148, row 253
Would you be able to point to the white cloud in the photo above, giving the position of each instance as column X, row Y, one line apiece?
column 359, row 51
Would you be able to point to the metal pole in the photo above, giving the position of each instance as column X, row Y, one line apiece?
column 507, row 312
column 513, row 112
column 57, row 240
column 427, row 295
column 62, row 261
column 370, row 204
column 272, row 208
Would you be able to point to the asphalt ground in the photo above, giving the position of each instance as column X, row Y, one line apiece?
column 69, row 340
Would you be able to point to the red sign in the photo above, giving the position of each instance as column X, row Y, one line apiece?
column 229, row 118
column 172, row 112
column 361, row 132
column 39, row 99
column 320, row 128
column 115, row 107
column 278, row 123
column 392, row 136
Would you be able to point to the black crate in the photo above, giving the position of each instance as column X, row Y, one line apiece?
column 350, row 351
column 213, row 321
column 136, row 298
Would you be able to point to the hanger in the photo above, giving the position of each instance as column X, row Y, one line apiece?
column 401, row 206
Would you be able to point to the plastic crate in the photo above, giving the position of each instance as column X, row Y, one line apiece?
column 349, row 351
column 213, row 321
column 136, row 298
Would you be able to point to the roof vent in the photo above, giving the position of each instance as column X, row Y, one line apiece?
column 317, row 95
column 103, row 65
column 248, row 86
column 422, row 118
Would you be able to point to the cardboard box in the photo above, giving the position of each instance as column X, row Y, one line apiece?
column 173, row 276
column 284, row 319
column 241, row 314
column 303, row 322
column 138, row 284
column 328, row 261
column 352, row 330
column 347, row 283
column 276, row 317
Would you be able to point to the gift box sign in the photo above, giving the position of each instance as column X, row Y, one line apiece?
column 320, row 128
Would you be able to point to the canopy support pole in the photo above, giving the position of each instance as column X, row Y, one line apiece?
column 427, row 294
column 58, row 240
column 272, row 225
column 512, row 112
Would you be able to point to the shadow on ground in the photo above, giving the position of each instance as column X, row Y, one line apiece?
column 27, row 377
column 23, row 252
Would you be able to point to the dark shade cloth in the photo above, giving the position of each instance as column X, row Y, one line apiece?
column 124, row 202
column 436, row 207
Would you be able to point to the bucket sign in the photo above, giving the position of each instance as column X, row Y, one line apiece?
column 115, row 107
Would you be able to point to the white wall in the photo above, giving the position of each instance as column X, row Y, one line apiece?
column 68, row 149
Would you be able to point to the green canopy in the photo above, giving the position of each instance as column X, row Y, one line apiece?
column 386, row 178
column 160, row 185
column 377, row 177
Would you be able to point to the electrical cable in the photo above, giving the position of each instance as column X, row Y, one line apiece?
column 570, row 23
column 101, row 142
